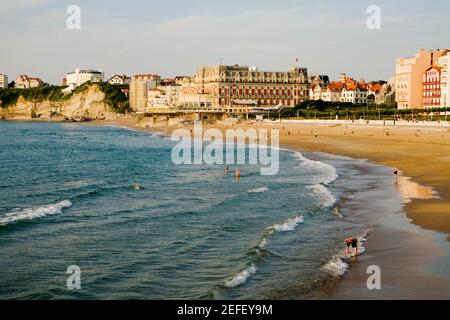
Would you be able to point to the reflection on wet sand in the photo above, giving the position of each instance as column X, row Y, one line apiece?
column 412, row 190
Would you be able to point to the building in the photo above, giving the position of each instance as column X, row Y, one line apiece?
column 444, row 62
column 333, row 92
column 138, row 92
column 156, row 98
column 386, row 95
column 79, row 76
column 228, row 87
column 432, row 88
column 373, row 91
column 355, row 93
column 172, row 93
column 24, row 82
column 119, row 79
column 318, row 86
column 409, row 77
column 3, row 81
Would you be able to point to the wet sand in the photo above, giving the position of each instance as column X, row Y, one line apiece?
column 411, row 247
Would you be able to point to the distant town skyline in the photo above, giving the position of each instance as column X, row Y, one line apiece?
column 175, row 38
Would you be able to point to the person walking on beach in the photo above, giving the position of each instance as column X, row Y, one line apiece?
column 395, row 171
column 353, row 242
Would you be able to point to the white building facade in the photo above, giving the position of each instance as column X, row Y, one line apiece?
column 354, row 95
column 79, row 76
column 3, row 80
column 444, row 63
column 119, row 79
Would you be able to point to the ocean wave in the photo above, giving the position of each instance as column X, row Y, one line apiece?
column 336, row 266
column 33, row 213
column 241, row 277
column 339, row 265
column 326, row 198
column 262, row 243
column 336, row 212
column 259, row 190
column 327, row 173
column 289, row 225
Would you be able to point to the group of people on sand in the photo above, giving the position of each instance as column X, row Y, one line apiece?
column 237, row 173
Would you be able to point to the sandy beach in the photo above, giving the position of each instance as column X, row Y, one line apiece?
column 411, row 249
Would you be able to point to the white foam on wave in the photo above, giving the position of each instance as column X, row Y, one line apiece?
column 259, row 190
column 339, row 265
column 262, row 243
column 327, row 172
column 33, row 213
column 289, row 225
column 326, row 198
column 336, row 266
column 241, row 277
column 336, row 212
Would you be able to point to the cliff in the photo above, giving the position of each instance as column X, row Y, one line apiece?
column 90, row 103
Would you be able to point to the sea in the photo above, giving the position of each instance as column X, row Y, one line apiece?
column 109, row 202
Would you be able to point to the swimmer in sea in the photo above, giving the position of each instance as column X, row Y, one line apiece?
column 238, row 173
column 136, row 186
column 226, row 169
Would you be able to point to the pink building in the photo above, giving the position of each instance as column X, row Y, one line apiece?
column 409, row 78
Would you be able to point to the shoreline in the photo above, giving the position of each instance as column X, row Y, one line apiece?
column 417, row 234
column 419, row 244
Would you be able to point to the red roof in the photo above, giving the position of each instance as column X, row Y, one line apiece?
column 376, row 87
column 335, row 86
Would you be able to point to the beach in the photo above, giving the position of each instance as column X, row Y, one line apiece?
column 411, row 247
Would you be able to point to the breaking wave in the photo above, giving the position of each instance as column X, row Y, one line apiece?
column 259, row 190
column 326, row 173
column 339, row 263
column 33, row 213
column 289, row 225
column 240, row 277
column 326, row 198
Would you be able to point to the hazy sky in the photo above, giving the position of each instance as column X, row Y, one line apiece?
column 177, row 36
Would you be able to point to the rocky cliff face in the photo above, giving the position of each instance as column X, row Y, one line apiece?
column 84, row 106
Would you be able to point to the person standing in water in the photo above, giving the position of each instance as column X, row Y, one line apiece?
column 395, row 171
column 226, row 169
column 238, row 173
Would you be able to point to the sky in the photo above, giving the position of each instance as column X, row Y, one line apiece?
column 175, row 37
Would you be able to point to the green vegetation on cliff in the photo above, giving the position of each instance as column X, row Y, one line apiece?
column 113, row 95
